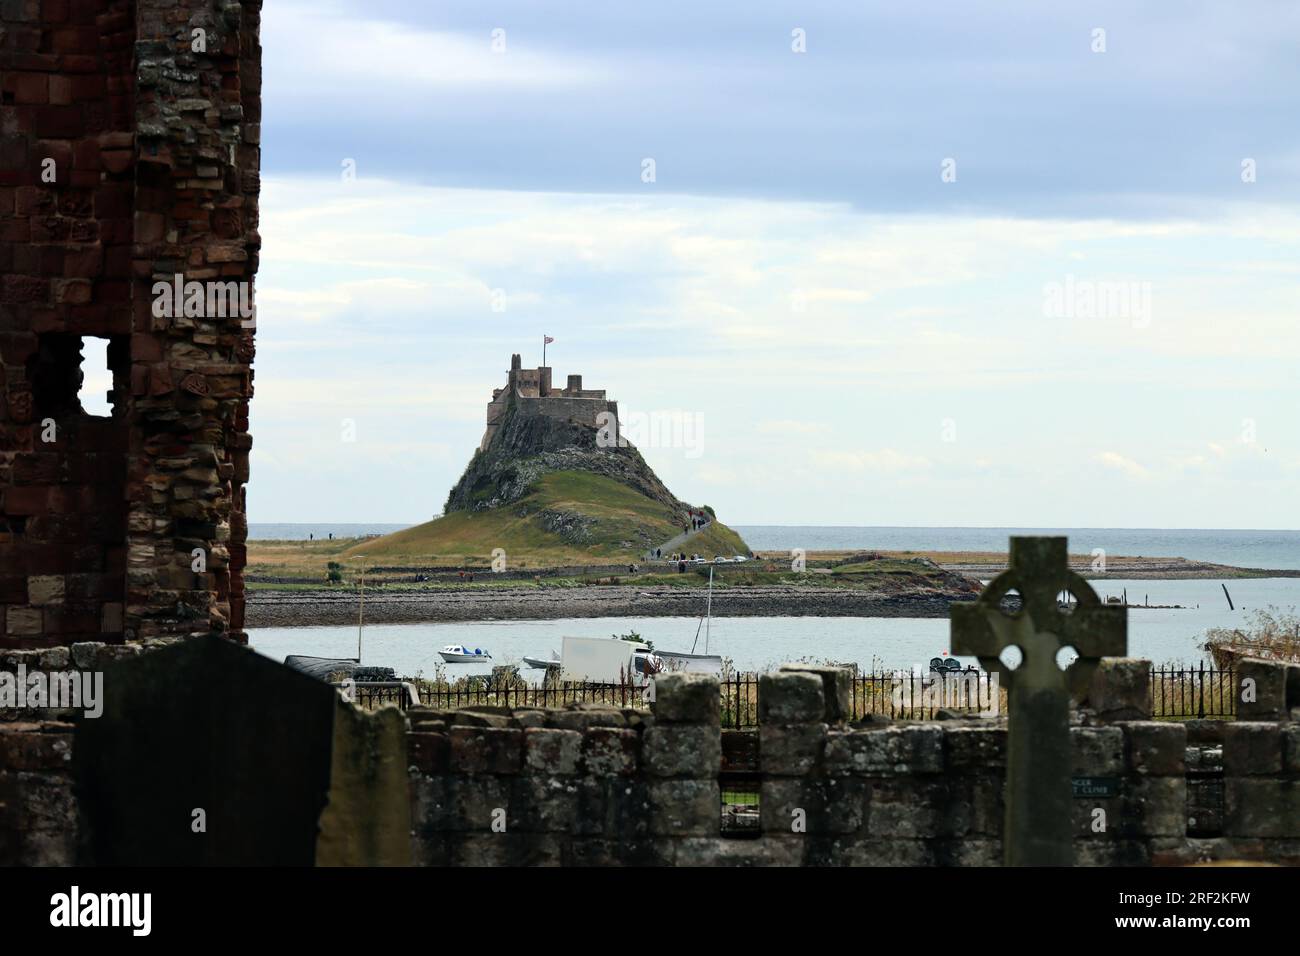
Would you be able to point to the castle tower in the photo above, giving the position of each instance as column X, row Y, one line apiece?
column 530, row 391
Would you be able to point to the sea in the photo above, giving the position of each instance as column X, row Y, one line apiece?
column 1173, row 634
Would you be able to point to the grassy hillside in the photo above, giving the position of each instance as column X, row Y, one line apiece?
column 569, row 517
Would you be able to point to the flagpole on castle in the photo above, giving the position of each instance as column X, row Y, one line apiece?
column 543, row 350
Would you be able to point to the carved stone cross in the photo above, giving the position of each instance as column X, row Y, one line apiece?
column 1038, row 829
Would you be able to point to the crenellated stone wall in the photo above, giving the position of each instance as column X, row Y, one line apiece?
column 129, row 155
column 600, row 785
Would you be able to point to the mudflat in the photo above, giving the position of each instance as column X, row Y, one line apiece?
column 287, row 608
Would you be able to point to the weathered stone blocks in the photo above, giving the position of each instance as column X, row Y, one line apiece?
column 683, row 750
column 791, row 750
column 687, row 699
column 837, row 688
column 428, row 752
column 545, row 804
column 977, row 748
column 790, row 697
column 1097, row 751
column 481, row 750
column 1291, row 747
column 812, row 806
column 1156, row 748
column 583, row 717
column 1252, row 748
column 1266, row 689
column 1121, row 689
column 27, row 746
column 684, row 807
column 614, row 807
column 1261, row 807
column 551, row 751
column 609, row 751
column 1155, row 806
column 906, row 749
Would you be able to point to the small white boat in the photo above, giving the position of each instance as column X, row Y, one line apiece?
column 460, row 654
column 679, row 662
column 543, row 663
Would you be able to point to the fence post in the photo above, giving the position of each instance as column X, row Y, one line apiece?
column 1200, row 709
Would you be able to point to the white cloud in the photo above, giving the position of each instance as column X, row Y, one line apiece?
column 376, row 300
column 791, row 427
column 1126, row 466
column 886, row 460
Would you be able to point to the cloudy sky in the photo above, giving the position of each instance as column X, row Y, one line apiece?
column 885, row 264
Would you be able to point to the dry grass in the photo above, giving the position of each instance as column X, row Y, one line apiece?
column 1271, row 634
column 1185, row 694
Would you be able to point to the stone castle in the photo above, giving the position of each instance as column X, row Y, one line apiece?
column 529, row 392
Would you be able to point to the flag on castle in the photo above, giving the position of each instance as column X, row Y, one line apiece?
column 546, row 340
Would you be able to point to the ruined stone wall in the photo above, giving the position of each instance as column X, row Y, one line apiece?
column 128, row 155
column 599, row 785
column 38, row 803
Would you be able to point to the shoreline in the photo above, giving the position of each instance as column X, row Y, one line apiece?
column 271, row 608
column 514, row 597
column 984, row 565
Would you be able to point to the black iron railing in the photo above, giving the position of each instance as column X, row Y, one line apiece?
column 1175, row 692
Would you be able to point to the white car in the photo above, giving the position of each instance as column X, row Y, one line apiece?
column 739, row 559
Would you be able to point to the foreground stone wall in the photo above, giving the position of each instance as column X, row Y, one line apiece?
column 38, row 806
column 591, row 785
column 599, row 785
column 128, row 155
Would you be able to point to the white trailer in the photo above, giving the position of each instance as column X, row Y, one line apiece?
column 605, row 660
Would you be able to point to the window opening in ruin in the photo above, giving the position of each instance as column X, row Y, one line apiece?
column 96, row 378
column 72, row 375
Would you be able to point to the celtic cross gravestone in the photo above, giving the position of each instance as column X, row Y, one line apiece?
column 1037, row 831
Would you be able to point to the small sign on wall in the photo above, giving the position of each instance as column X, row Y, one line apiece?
column 1095, row 786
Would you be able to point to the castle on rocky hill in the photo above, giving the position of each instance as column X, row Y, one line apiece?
column 529, row 391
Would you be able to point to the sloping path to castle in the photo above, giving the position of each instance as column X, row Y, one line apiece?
column 672, row 543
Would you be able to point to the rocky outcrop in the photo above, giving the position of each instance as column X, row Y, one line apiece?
column 524, row 448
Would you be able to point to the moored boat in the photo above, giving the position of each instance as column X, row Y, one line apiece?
column 460, row 654
column 553, row 661
column 681, row 662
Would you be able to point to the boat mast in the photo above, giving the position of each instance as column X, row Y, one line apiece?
column 361, row 607
column 708, row 611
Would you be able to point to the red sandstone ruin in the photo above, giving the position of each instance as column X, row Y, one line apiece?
column 129, row 155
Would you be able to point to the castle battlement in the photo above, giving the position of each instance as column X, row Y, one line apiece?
column 530, row 391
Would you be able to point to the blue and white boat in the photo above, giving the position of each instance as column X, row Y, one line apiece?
column 460, row 654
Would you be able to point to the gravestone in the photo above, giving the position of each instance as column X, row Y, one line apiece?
column 367, row 819
column 1038, row 811
column 205, row 726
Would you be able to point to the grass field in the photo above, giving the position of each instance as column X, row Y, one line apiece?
column 621, row 524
